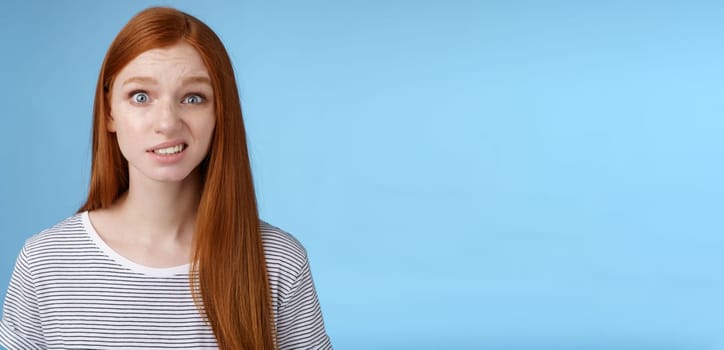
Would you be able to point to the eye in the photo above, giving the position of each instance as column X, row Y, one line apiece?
column 194, row 99
column 139, row 97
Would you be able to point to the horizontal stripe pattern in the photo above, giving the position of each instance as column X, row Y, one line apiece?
column 69, row 290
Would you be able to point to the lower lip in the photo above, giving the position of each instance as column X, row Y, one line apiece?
column 168, row 158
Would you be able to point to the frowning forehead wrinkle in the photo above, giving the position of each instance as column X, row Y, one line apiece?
column 200, row 79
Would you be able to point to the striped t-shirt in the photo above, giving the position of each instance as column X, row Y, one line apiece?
column 70, row 290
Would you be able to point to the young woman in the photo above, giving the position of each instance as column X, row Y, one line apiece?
column 168, row 251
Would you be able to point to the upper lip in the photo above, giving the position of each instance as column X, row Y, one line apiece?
column 167, row 144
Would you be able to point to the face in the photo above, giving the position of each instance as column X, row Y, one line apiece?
column 162, row 113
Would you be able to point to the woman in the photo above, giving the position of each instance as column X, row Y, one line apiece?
column 168, row 250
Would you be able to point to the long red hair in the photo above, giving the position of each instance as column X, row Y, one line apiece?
column 228, row 272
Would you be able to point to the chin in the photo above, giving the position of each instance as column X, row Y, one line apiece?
column 169, row 174
column 173, row 178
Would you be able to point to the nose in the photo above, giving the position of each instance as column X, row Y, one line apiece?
column 167, row 120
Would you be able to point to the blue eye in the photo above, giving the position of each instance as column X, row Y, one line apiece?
column 139, row 97
column 193, row 99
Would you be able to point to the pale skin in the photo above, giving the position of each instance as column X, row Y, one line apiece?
column 163, row 116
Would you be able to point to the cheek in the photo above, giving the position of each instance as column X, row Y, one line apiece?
column 129, row 119
column 126, row 140
column 128, row 131
column 208, row 137
column 204, row 126
column 205, row 135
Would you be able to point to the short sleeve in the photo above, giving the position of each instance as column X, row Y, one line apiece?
column 20, row 327
column 299, row 319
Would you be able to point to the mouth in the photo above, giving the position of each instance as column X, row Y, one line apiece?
column 171, row 150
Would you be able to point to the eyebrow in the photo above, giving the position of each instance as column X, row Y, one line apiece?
column 200, row 79
column 140, row 80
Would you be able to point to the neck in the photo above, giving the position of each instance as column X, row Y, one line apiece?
column 161, row 210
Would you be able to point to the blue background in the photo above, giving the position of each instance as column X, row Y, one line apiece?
column 464, row 174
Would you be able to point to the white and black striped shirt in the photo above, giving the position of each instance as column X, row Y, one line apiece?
column 70, row 290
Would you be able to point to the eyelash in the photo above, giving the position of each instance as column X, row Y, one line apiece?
column 132, row 94
column 195, row 94
column 201, row 96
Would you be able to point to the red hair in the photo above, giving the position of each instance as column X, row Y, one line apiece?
column 228, row 272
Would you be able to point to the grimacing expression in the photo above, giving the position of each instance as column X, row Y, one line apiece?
column 162, row 112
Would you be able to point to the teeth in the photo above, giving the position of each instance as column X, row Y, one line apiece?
column 169, row 150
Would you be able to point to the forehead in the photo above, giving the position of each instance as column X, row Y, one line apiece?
column 176, row 61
